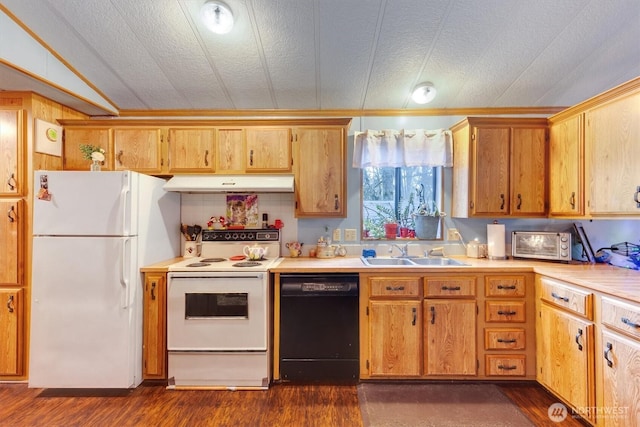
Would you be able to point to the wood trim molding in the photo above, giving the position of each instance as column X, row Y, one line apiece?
column 172, row 121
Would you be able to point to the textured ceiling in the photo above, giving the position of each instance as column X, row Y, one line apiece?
column 340, row 54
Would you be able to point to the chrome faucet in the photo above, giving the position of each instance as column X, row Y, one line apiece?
column 404, row 249
column 439, row 251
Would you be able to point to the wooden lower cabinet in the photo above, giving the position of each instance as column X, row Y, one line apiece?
column 395, row 337
column 11, row 332
column 154, row 346
column 450, row 337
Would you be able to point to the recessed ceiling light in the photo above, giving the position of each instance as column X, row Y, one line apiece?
column 424, row 93
column 217, row 17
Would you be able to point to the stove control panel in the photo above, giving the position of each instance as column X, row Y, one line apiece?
column 248, row 235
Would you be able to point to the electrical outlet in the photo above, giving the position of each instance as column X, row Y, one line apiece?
column 350, row 235
column 452, row 234
column 337, row 235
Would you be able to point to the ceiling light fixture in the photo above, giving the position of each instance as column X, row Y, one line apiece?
column 217, row 17
column 424, row 93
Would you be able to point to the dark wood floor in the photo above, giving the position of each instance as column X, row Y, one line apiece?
column 153, row 405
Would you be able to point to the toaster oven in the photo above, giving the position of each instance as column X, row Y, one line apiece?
column 542, row 245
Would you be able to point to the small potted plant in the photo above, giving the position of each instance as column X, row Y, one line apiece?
column 93, row 153
column 427, row 220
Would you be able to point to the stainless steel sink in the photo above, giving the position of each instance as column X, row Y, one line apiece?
column 438, row 261
column 411, row 262
column 386, row 261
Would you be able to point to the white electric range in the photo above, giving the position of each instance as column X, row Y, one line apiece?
column 218, row 309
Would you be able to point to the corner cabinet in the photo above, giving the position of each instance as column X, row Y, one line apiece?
column 319, row 160
column 499, row 167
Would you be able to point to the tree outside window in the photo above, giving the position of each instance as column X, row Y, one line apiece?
column 393, row 194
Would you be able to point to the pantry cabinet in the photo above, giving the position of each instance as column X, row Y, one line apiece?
column 319, row 159
column 12, row 241
column 154, row 346
column 11, row 332
column 566, row 166
column 138, row 149
column 191, row 149
column 565, row 342
column 74, row 137
column 395, row 318
column 611, row 137
column 11, row 149
column 499, row 167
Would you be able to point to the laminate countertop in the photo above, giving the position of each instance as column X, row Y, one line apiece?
column 615, row 281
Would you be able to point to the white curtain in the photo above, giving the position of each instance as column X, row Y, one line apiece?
column 397, row 148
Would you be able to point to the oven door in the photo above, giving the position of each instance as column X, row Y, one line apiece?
column 217, row 312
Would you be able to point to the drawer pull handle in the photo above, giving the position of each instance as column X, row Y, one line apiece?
column 506, row 341
column 578, row 335
column 433, row 315
column 507, row 287
column 556, row 296
column 628, row 322
column 606, row 355
column 507, row 368
column 395, row 288
column 451, row 288
column 415, row 316
column 506, row 313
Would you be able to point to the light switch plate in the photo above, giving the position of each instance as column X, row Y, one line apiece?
column 337, row 235
column 452, row 234
column 350, row 235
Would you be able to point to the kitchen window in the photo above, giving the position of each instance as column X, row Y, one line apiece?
column 393, row 194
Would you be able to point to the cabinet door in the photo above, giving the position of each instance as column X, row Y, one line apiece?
column 154, row 334
column 565, row 356
column 191, row 150
column 11, row 242
column 268, row 150
column 75, row 137
column 230, row 149
column 566, row 170
column 611, row 138
column 491, row 171
column 138, row 149
column 528, row 171
column 11, row 322
column 319, row 167
column 450, row 337
column 395, row 338
column 10, row 149
column 621, row 369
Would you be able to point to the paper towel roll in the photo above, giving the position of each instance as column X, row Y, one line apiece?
column 495, row 241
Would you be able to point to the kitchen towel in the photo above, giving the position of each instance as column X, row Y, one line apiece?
column 495, row 241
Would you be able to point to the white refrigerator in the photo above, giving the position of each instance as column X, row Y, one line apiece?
column 92, row 231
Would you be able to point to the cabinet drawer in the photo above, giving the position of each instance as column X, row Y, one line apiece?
column 573, row 299
column 621, row 316
column 509, row 365
column 394, row 286
column 504, row 286
column 504, row 339
column 449, row 287
column 505, row 311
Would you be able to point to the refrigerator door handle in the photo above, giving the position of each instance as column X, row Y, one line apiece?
column 126, row 189
column 124, row 274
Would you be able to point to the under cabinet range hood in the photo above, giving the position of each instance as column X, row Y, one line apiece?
column 230, row 183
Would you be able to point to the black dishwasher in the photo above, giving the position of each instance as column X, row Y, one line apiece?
column 319, row 328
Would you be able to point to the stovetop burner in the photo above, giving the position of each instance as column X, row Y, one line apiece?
column 247, row 264
column 198, row 264
column 213, row 259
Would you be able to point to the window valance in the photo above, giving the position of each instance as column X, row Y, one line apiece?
column 398, row 148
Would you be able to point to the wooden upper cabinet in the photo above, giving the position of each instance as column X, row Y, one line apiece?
column 11, row 228
column 138, row 149
column 191, row 149
column 612, row 138
column 566, row 166
column 319, row 167
column 230, row 148
column 74, row 137
column 10, row 150
column 499, row 167
column 268, row 150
